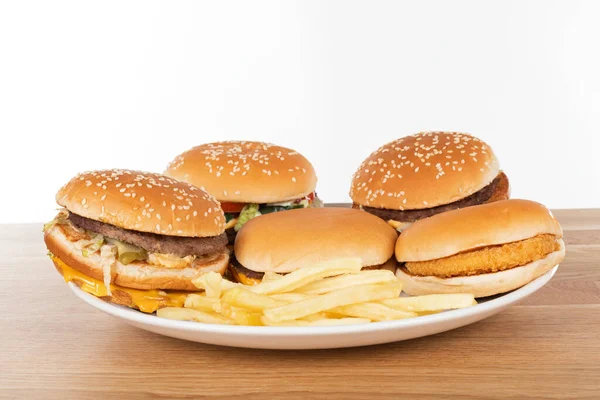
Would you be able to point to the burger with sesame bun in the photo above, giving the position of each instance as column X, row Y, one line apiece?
column 489, row 249
column 134, row 238
column 288, row 241
column 248, row 179
column 425, row 174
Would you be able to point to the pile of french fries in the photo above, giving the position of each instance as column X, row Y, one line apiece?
column 335, row 292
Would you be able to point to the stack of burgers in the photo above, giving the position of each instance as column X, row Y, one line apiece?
column 432, row 206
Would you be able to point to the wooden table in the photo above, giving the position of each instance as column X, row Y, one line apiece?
column 54, row 346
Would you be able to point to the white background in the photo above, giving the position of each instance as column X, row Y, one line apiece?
column 87, row 85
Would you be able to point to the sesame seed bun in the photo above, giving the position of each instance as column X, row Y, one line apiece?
column 481, row 285
column 287, row 241
column 136, row 275
column 469, row 228
column 144, row 202
column 423, row 171
column 246, row 172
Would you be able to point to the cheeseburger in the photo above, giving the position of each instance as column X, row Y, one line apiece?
column 136, row 238
column 285, row 242
column 248, row 179
column 484, row 250
column 426, row 174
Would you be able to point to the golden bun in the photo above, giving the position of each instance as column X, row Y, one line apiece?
column 144, row 202
column 484, row 284
column 136, row 275
column 289, row 240
column 246, row 172
column 455, row 231
column 423, row 171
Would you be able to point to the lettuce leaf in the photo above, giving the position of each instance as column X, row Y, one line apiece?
column 249, row 211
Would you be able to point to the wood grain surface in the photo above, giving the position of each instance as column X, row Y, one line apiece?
column 56, row 347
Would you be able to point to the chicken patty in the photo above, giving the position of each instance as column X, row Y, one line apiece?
column 487, row 259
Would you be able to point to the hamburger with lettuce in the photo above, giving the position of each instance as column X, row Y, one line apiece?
column 134, row 238
column 249, row 179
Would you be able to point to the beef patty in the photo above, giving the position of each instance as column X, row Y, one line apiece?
column 153, row 243
column 496, row 190
column 231, row 234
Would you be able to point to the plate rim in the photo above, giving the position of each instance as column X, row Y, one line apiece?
column 200, row 327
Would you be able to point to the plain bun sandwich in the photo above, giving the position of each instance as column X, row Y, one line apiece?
column 285, row 242
column 484, row 250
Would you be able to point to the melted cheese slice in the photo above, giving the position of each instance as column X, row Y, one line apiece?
column 147, row 301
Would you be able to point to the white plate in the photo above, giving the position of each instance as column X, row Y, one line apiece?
column 325, row 337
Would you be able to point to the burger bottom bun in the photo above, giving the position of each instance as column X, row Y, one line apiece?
column 136, row 275
column 484, row 284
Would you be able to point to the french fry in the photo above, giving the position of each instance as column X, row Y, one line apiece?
column 321, row 322
column 188, row 314
column 373, row 311
column 291, row 297
column 242, row 316
column 342, row 297
column 344, row 281
column 431, row 302
column 244, row 298
column 201, row 302
column 271, row 276
column 304, row 276
column 315, row 317
column 213, row 283
column 423, row 313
